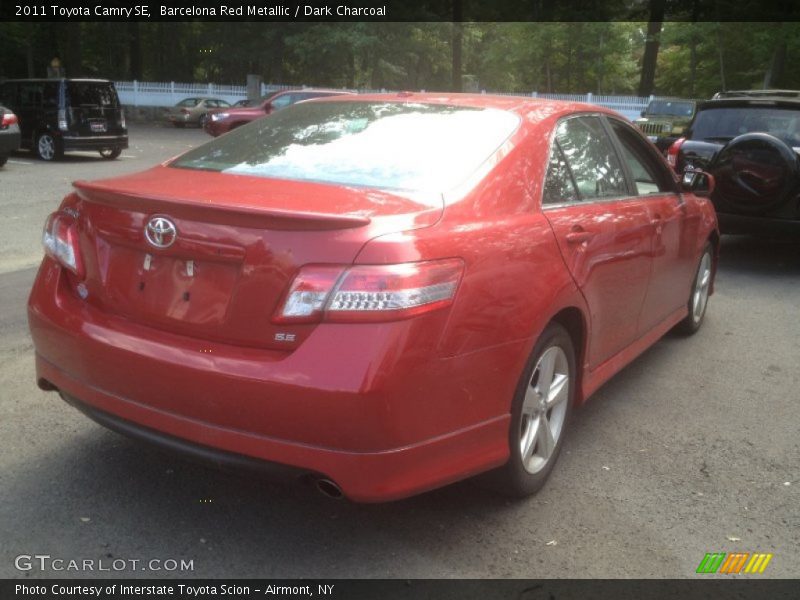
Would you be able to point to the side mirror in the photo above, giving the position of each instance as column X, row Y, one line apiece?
column 698, row 183
column 268, row 107
column 641, row 114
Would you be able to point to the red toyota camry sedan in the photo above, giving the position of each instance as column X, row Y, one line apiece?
column 382, row 293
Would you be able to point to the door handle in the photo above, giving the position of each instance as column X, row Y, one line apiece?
column 658, row 223
column 578, row 237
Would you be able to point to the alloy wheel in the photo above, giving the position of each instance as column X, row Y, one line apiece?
column 544, row 409
column 46, row 147
column 701, row 285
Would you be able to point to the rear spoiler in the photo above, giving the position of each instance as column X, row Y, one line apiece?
column 239, row 216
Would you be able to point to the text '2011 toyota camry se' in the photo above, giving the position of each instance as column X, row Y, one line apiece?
column 385, row 293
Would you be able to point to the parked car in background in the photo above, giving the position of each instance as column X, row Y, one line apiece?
column 194, row 111
column 664, row 120
column 749, row 141
column 59, row 115
column 383, row 294
column 9, row 134
column 222, row 121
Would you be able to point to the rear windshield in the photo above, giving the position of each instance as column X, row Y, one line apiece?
column 81, row 93
column 188, row 102
column 388, row 145
column 725, row 123
column 670, row 108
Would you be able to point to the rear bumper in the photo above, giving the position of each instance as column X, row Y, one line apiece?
column 196, row 452
column 99, row 142
column 9, row 141
column 379, row 439
column 733, row 223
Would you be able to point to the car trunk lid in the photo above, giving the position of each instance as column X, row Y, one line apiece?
column 238, row 243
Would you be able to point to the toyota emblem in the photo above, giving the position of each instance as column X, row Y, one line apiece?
column 160, row 232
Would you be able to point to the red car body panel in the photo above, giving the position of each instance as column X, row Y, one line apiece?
column 388, row 409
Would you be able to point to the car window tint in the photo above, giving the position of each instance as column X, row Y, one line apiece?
column 51, row 92
column 92, row 93
column 558, row 185
column 282, row 101
column 648, row 178
column 8, row 94
column 30, row 95
column 382, row 144
column 591, row 157
column 723, row 123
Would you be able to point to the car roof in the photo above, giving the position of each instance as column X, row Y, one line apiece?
column 757, row 94
column 529, row 108
column 760, row 100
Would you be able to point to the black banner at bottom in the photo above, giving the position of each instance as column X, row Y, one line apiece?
column 398, row 589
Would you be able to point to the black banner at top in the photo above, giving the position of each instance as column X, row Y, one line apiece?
column 394, row 10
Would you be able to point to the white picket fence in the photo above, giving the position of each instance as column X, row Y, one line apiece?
column 148, row 93
column 169, row 93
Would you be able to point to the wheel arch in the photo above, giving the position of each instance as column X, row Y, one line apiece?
column 574, row 321
column 714, row 240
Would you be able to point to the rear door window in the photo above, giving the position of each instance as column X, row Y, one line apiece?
column 590, row 155
column 649, row 177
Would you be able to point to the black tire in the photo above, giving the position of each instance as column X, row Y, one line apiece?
column 179, row 125
column 110, row 153
column 203, row 120
column 521, row 477
column 47, row 147
column 699, row 291
column 3, row 160
column 755, row 173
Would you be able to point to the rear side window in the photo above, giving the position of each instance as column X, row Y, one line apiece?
column 588, row 151
column 558, row 187
column 283, row 101
column 189, row 102
column 84, row 93
column 387, row 145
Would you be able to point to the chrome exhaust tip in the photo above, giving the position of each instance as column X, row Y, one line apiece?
column 328, row 488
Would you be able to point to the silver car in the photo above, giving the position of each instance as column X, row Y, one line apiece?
column 9, row 134
column 194, row 111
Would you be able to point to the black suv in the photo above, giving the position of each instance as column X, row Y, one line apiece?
column 749, row 141
column 57, row 115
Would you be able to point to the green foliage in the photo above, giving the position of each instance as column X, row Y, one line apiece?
column 695, row 59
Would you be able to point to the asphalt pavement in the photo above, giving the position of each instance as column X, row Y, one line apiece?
column 691, row 449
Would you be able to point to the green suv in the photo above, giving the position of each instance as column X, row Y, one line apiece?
column 664, row 120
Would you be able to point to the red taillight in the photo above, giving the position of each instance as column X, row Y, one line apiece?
column 305, row 301
column 672, row 153
column 9, row 118
column 60, row 241
column 370, row 292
